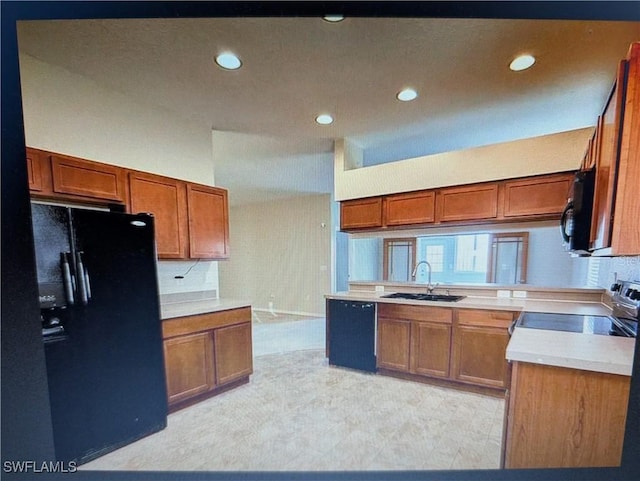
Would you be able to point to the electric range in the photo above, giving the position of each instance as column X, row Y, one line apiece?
column 623, row 320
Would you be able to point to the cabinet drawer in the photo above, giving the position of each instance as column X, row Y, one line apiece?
column 202, row 322
column 415, row 313
column 468, row 203
column 413, row 208
column 478, row 317
column 87, row 179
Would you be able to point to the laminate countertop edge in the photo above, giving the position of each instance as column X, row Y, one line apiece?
column 200, row 306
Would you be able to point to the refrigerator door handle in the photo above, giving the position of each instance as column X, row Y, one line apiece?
column 67, row 279
column 87, row 283
column 81, row 276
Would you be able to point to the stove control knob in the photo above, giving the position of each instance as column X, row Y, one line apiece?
column 627, row 293
column 615, row 287
column 635, row 295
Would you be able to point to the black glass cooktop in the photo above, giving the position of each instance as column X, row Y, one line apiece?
column 602, row 325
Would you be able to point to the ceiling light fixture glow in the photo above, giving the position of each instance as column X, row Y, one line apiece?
column 522, row 62
column 407, row 94
column 324, row 119
column 333, row 18
column 228, row 61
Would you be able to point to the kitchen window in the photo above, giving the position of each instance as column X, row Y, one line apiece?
column 461, row 258
column 399, row 259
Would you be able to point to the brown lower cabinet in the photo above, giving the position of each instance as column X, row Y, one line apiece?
column 206, row 354
column 414, row 339
column 462, row 345
column 560, row 417
column 479, row 347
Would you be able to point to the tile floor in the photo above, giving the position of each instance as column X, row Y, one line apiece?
column 298, row 413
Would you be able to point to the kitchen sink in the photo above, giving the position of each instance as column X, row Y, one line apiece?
column 424, row 297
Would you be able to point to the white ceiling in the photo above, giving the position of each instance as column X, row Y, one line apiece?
column 267, row 143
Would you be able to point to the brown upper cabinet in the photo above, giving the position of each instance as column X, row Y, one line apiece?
column 36, row 165
column 609, row 125
column 87, row 179
column 614, row 229
column 165, row 198
column 191, row 220
column 540, row 197
column 409, row 209
column 471, row 202
column 536, row 196
column 208, row 222
column 361, row 213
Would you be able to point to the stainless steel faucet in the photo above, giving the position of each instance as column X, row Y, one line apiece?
column 430, row 287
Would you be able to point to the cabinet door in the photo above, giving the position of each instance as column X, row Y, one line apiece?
column 412, row 208
column 609, row 127
column 208, row 222
column 35, row 163
column 233, row 354
column 479, row 355
column 165, row 199
column 625, row 237
column 393, row 344
column 87, row 179
column 545, row 195
column 563, row 418
column 361, row 213
column 188, row 366
column 475, row 202
column 430, row 348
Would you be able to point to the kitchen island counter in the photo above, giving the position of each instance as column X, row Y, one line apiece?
column 599, row 353
column 480, row 302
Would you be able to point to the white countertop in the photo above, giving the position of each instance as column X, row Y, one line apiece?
column 472, row 302
column 608, row 354
column 169, row 310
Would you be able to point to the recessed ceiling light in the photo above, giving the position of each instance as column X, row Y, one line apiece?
column 522, row 62
column 333, row 18
column 324, row 119
column 407, row 94
column 228, row 61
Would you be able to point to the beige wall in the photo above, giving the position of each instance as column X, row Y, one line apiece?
column 280, row 254
column 70, row 114
column 538, row 155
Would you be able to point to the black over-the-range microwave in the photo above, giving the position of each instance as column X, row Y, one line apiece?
column 575, row 223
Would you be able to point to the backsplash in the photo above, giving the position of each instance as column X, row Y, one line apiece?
column 623, row 268
column 197, row 276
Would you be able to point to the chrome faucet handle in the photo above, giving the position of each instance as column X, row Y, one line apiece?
column 431, row 287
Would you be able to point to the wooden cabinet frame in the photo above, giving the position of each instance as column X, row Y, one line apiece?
column 206, row 354
column 191, row 220
column 458, row 347
column 539, row 197
column 548, row 403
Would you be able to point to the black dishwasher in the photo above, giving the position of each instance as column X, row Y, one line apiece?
column 352, row 334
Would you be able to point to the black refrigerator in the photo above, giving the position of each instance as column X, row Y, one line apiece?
column 101, row 328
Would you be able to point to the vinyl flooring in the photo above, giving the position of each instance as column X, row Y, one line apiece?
column 300, row 414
